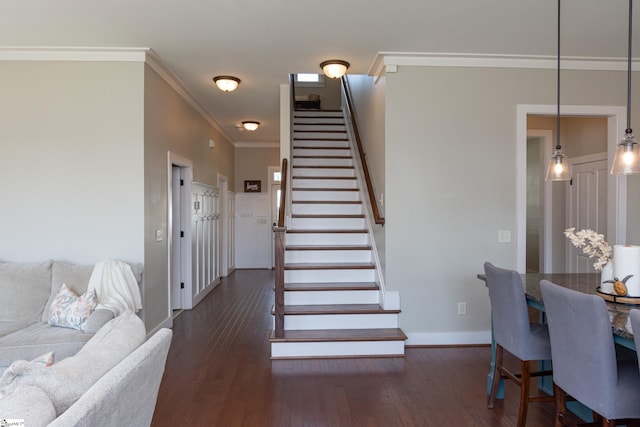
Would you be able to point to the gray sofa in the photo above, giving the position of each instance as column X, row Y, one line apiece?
column 27, row 291
column 112, row 381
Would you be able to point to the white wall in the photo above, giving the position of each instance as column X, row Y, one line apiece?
column 71, row 162
column 450, row 180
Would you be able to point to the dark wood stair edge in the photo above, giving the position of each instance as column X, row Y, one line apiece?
column 320, row 139
column 321, row 148
column 343, row 335
column 328, row 202
column 328, row 216
column 323, row 189
column 348, row 178
column 321, row 167
column 323, row 157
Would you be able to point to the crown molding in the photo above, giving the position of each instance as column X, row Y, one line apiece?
column 387, row 62
column 241, row 144
column 139, row 54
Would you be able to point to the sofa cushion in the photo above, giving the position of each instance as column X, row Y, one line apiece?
column 7, row 328
column 25, row 289
column 28, row 403
column 75, row 276
column 67, row 380
column 70, row 310
column 39, row 338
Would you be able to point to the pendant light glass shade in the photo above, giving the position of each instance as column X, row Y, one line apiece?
column 226, row 83
column 558, row 168
column 334, row 68
column 627, row 159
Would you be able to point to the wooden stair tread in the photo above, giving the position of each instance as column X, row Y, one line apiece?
column 329, row 266
column 320, row 148
column 325, row 177
column 323, row 189
column 328, row 202
column 320, row 130
column 323, row 231
column 323, row 110
column 337, row 309
column 320, row 139
column 322, row 167
column 328, row 248
column 328, row 216
column 335, row 286
column 322, row 157
column 324, row 335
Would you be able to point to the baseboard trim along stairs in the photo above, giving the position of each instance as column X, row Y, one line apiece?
column 334, row 305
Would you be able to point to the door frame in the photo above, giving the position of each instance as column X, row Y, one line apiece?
column 186, row 170
column 616, row 184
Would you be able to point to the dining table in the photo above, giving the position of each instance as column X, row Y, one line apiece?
column 588, row 283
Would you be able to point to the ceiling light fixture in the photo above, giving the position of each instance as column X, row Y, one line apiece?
column 334, row 68
column 226, row 83
column 627, row 159
column 558, row 167
column 250, row 125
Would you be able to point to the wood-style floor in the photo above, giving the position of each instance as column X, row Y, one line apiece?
column 219, row 373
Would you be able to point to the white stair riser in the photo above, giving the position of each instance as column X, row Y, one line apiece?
column 326, row 209
column 327, row 239
column 316, row 120
column 341, row 152
column 340, row 348
column 340, row 321
column 340, row 127
column 316, row 113
column 311, row 143
column 329, row 196
column 327, row 223
column 324, row 183
column 331, row 297
column 297, row 161
column 323, row 172
column 326, row 276
column 319, row 135
column 325, row 256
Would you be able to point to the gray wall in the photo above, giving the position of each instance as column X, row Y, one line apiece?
column 252, row 164
column 450, row 181
column 72, row 161
column 171, row 124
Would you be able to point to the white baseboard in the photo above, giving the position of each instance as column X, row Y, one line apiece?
column 448, row 338
column 166, row 323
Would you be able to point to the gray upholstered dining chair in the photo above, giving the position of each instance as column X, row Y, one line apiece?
column 513, row 332
column 584, row 357
column 635, row 327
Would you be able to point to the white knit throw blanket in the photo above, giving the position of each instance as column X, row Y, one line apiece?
column 116, row 286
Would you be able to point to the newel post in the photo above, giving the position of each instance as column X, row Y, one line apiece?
column 279, row 281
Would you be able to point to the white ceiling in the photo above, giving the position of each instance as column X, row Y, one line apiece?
column 262, row 41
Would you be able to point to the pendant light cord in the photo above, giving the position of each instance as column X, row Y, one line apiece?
column 558, row 146
column 628, row 130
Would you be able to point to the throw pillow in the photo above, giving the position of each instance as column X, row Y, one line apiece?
column 97, row 320
column 69, row 310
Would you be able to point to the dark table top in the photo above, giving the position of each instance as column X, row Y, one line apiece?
column 583, row 282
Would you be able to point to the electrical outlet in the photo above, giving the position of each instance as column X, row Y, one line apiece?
column 462, row 308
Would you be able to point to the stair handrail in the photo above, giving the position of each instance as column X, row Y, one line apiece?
column 365, row 169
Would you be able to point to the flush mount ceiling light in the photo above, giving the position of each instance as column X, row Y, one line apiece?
column 558, row 167
column 334, row 68
column 627, row 159
column 226, row 83
column 250, row 125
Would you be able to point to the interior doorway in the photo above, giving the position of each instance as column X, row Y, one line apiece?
column 552, row 241
column 178, row 233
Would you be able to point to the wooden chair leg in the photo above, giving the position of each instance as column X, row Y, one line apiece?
column 561, row 405
column 608, row 423
column 525, row 384
column 496, row 376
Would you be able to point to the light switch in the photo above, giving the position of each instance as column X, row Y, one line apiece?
column 159, row 235
column 504, row 236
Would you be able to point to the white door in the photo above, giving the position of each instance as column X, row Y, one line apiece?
column 176, row 253
column 587, row 205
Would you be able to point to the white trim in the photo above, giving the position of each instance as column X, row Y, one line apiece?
column 547, row 262
column 431, row 59
column 448, row 338
column 616, row 185
column 166, row 323
column 134, row 54
column 257, row 145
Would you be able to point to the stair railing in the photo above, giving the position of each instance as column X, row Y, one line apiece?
column 365, row 169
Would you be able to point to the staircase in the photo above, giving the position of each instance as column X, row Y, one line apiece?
column 332, row 294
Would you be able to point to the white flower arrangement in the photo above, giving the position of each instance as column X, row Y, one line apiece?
column 592, row 245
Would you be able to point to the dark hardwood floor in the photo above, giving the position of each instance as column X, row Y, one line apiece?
column 219, row 373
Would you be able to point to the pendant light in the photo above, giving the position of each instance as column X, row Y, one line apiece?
column 627, row 159
column 559, row 166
